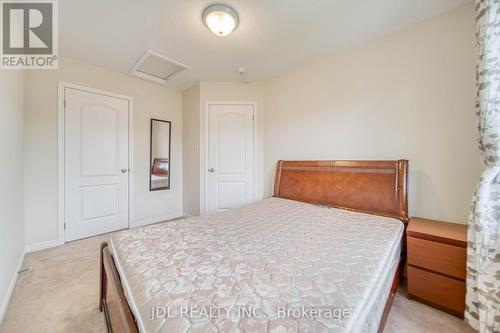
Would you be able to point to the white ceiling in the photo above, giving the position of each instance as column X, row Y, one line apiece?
column 273, row 37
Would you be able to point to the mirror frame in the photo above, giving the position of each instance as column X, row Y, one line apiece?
column 151, row 155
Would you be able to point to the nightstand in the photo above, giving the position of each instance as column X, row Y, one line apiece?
column 437, row 253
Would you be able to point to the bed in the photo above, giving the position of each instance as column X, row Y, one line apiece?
column 322, row 255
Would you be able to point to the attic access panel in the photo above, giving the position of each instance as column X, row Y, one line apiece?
column 157, row 68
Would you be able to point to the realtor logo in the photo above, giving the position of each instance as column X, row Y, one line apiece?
column 29, row 34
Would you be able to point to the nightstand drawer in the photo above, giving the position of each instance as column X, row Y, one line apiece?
column 446, row 293
column 438, row 257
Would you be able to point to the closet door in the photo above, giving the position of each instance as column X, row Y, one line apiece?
column 230, row 167
column 95, row 164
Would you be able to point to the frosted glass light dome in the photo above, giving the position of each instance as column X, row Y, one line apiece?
column 220, row 19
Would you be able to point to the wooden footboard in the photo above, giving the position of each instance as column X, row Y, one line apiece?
column 392, row 295
column 112, row 299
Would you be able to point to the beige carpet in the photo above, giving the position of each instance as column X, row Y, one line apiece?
column 60, row 294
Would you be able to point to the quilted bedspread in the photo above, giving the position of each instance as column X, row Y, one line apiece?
column 273, row 266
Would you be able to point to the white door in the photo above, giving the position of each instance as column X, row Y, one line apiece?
column 230, row 162
column 95, row 163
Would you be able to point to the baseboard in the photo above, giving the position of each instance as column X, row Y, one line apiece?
column 48, row 244
column 41, row 245
column 10, row 291
column 170, row 216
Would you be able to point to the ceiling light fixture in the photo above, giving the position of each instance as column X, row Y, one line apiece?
column 220, row 19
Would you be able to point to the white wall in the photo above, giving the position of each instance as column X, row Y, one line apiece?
column 191, row 151
column 150, row 101
column 408, row 95
column 232, row 91
column 11, row 181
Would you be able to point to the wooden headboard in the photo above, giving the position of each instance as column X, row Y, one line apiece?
column 374, row 187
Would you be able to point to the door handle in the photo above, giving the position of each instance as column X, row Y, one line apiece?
column 211, row 170
column 124, row 170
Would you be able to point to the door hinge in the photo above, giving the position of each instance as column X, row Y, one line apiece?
column 64, row 226
column 64, row 103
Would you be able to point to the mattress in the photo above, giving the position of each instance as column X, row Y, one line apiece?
column 273, row 266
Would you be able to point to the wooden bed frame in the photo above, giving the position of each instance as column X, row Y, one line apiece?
column 373, row 187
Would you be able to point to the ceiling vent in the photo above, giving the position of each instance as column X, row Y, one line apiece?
column 156, row 68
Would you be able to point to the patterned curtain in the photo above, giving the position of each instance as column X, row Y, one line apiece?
column 483, row 252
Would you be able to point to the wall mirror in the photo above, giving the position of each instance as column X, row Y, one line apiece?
column 159, row 176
